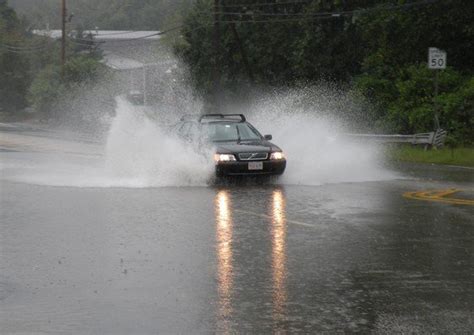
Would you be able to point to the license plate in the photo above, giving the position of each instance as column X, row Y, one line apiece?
column 255, row 165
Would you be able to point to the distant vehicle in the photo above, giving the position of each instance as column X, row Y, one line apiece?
column 240, row 150
column 136, row 98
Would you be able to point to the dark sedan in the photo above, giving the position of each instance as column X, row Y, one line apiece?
column 240, row 150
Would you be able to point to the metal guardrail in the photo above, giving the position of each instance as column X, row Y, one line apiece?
column 435, row 138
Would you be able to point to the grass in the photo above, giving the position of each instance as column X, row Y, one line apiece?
column 455, row 156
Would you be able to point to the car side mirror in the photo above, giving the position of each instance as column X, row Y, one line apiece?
column 267, row 137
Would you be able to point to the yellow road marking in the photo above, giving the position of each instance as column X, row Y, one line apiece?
column 439, row 196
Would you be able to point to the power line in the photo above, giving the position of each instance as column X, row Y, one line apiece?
column 107, row 34
column 46, row 45
column 148, row 36
column 286, row 14
column 25, row 44
column 80, row 41
column 131, row 39
column 25, row 47
column 295, row 17
column 21, row 51
column 327, row 14
column 267, row 4
column 279, row 20
column 95, row 33
column 302, row 2
column 93, row 43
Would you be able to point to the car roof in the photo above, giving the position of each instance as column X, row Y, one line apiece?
column 221, row 121
column 215, row 118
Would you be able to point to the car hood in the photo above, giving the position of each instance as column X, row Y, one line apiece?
column 254, row 146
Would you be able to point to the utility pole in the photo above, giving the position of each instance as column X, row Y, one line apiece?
column 63, row 35
column 242, row 52
column 217, row 52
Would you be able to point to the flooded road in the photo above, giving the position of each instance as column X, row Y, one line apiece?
column 341, row 257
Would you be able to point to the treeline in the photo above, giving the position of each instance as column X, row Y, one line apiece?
column 31, row 75
column 377, row 48
column 104, row 15
column 30, row 64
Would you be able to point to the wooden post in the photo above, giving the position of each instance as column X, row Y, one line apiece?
column 436, row 106
column 217, row 52
column 63, row 35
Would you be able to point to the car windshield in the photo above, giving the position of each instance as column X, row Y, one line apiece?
column 221, row 131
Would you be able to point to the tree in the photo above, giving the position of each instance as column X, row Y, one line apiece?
column 49, row 91
column 13, row 61
column 110, row 14
column 394, row 74
column 379, row 47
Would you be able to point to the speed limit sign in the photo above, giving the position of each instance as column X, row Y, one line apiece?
column 436, row 58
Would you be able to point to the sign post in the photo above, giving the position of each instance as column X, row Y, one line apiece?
column 436, row 62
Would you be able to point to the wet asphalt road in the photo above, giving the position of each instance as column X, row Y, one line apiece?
column 349, row 257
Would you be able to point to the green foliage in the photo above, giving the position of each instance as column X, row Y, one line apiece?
column 46, row 89
column 395, row 76
column 406, row 103
column 462, row 156
column 382, row 53
column 457, row 106
column 277, row 52
column 29, row 67
column 13, row 66
column 196, row 48
column 49, row 89
column 9, row 21
column 397, row 38
column 81, row 69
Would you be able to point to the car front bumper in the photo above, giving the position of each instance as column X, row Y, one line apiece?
column 240, row 168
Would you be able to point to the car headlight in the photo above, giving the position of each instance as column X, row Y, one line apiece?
column 223, row 158
column 277, row 155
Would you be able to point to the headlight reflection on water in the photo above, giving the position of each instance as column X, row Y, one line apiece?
column 224, row 259
column 278, row 232
column 225, row 266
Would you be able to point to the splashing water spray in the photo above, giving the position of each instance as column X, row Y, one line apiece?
column 141, row 151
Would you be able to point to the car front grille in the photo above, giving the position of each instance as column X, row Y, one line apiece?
column 253, row 156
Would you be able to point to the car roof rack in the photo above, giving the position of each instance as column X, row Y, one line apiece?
column 241, row 117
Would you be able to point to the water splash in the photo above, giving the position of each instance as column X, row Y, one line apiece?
column 312, row 137
column 140, row 152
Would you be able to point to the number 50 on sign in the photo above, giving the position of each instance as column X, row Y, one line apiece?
column 436, row 58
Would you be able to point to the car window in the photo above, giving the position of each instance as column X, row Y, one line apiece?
column 247, row 133
column 230, row 132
